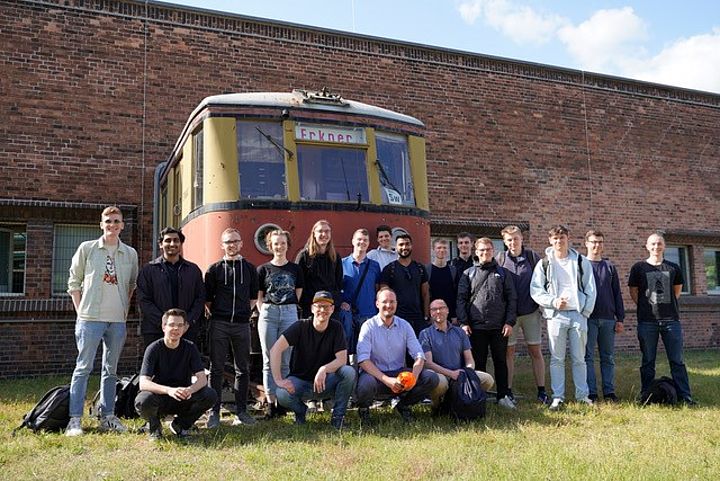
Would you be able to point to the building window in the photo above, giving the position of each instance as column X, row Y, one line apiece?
column 332, row 173
column 679, row 255
column 712, row 270
column 13, row 240
column 394, row 165
column 261, row 160
column 198, row 161
column 66, row 240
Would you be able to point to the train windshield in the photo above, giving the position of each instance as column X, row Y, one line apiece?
column 332, row 173
column 261, row 160
column 394, row 165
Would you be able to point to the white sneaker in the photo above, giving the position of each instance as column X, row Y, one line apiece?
column 507, row 403
column 586, row 400
column 556, row 404
column 243, row 418
column 112, row 423
column 74, row 428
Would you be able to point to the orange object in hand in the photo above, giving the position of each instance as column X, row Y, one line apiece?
column 407, row 379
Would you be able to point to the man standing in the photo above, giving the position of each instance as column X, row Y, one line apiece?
column 464, row 260
column 447, row 351
column 384, row 341
column 441, row 276
column 170, row 282
column 231, row 285
column 166, row 385
column 408, row 279
column 486, row 305
column 360, row 279
column 655, row 286
column 318, row 366
column 102, row 279
column 520, row 261
column 383, row 254
column 606, row 319
column 564, row 286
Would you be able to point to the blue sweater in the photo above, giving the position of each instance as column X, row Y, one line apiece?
column 609, row 302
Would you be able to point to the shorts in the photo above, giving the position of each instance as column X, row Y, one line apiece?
column 531, row 325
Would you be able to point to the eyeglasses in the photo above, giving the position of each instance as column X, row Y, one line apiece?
column 112, row 221
column 436, row 309
column 232, row 242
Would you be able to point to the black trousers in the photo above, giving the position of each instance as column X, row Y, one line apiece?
column 152, row 406
column 224, row 338
column 492, row 339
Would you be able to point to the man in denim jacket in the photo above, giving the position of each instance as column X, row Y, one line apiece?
column 102, row 279
column 564, row 286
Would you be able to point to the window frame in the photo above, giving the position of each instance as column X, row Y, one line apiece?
column 713, row 250
column 96, row 234
column 13, row 229
column 684, row 263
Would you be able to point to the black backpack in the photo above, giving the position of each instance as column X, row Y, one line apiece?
column 661, row 391
column 126, row 390
column 466, row 398
column 51, row 413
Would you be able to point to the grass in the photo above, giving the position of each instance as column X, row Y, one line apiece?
column 608, row 442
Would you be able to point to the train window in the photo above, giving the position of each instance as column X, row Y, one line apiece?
column 332, row 173
column 394, row 165
column 197, row 195
column 261, row 160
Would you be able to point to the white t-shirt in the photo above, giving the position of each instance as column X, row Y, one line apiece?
column 566, row 281
column 111, row 308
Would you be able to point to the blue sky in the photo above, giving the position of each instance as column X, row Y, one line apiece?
column 669, row 42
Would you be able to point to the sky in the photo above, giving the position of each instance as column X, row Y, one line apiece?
column 664, row 41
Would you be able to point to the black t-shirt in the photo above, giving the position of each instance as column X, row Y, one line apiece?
column 656, row 296
column 279, row 282
column 406, row 282
column 171, row 367
column 313, row 349
column 442, row 286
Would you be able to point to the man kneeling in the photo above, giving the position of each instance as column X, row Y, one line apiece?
column 384, row 340
column 166, row 385
column 318, row 366
column 447, row 350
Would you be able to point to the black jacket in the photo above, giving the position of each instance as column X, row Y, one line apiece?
column 486, row 297
column 230, row 285
column 154, row 296
column 320, row 274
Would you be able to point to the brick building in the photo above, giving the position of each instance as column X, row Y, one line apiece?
column 95, row 93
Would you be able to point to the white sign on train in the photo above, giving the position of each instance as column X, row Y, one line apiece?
column 329, row 133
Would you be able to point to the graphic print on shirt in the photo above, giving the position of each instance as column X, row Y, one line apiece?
column 282, row 290
column 110, row 276
column 658, row 288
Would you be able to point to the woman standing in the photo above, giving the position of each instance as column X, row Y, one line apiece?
column 281, row 284
column 321, row 267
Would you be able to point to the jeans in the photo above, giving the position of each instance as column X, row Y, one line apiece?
column 152, row 406
column 481, row 340
column 602, row 332
column 351, row 326
column 369, row 388
column 226, row 336
column 573, row 326
column 338, row 386
column 88, row 335
column 672, row 338
column 272, row 322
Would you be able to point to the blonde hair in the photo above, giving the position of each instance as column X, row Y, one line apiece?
column 276, row 232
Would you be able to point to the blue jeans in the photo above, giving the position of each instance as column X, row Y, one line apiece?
column 88, row 335
column 338, row 386
column 370, row 388
column 672, row 338
column 572, row 326
column 602, row 333
column 272, row 322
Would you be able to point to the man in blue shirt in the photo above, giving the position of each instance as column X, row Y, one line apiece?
column 360, row 278
column 606, row 319
column 384, row 340
column 447, row 351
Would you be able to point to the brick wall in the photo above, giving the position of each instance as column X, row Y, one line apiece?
column 96, row 92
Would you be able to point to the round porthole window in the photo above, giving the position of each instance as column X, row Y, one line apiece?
column 260, row 235
column 396, row 232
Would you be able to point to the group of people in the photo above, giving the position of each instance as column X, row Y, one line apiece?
column 337, row 329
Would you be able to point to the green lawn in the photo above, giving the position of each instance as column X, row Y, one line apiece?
column 608, row 442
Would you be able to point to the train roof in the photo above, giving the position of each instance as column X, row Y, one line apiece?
column 306, row 100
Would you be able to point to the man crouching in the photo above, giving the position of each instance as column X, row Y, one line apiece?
column 166, row 385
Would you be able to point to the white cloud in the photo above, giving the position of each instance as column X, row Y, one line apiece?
column 692, row 62
column 607, row 40
column 520, row 23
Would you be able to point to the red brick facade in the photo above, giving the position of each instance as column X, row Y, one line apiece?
column 95, row 92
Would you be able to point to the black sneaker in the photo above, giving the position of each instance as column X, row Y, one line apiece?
column 178, row 430
column 154, row 429
column 543, row 398
column 364, row 415
column 593, row 397
column 339, row 422
column 405, row 412
column 611, row 398
column 688, row 401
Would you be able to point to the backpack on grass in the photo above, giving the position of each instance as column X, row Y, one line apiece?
column 661, row 391
column 466, row 398
column 51, row 413
column 125, row 391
